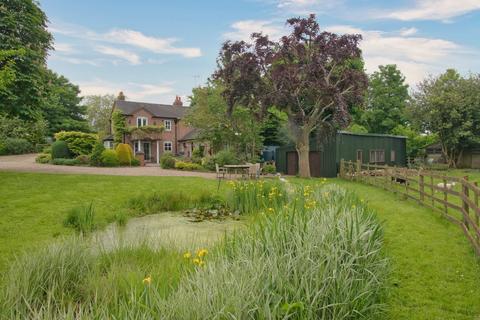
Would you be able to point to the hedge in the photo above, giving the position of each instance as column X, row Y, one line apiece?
column 78, row 142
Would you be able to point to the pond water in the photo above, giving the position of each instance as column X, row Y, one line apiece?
column 168, row 229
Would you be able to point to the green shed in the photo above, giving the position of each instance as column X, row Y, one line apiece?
column 325, row 158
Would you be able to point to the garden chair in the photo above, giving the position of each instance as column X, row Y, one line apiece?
column 254, row 171
column 221, row 172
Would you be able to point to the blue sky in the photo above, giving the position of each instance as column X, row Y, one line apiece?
column 154, row 50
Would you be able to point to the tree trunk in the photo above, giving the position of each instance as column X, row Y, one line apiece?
column 303, row 150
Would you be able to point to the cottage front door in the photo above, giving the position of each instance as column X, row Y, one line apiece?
column 147, row 151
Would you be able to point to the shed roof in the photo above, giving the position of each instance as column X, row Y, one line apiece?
column 157, row 110
column 191, row 135
column 372, row 134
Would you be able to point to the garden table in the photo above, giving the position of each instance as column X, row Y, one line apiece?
column 237, row 167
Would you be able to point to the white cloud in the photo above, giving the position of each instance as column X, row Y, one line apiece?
column 74, row 60
column 415, row 56
column 148, row 92
column 242, row 30
column 307, row 6
column 157, row 45
column 126, row 37
column 405, row 32
column 119, row 53
column 64, row 48
column 434, row 10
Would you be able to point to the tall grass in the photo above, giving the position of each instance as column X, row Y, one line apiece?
column 315, row 255
column 302, row 262
column 81, row 218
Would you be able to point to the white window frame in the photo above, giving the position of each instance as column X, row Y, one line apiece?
column 360, row 155
column 143, row 121
column 169, row 126
column 377, row 156
column 393, row 156
column 165, row 143
column 137, row 146
column 108, row 144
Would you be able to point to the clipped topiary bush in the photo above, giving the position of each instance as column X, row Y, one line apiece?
column 189, row 166
column 125, row 154
column 96, row 155
column 60, row 150
column 269, row 169
column 167, row 161
column 135, row 162
column 78, row 142
column 83, row 159
column 109, row 158
column 43, row 158
column 65, row 162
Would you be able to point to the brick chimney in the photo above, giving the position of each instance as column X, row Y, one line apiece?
column 178, row 102
column 121, row 96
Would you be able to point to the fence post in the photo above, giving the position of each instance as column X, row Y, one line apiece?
column 445, row 195
column 342, row 168
column 422, row 186
column 432, row 191
column 465, row 203
column 477, row 218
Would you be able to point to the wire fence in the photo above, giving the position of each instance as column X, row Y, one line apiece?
column 457, row 199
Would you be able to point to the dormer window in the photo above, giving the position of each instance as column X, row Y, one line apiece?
column 142, row 121
column 168, row 125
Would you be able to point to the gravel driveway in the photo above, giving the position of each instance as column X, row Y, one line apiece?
column 26, row 163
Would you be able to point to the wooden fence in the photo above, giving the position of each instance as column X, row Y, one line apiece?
column 455, row 198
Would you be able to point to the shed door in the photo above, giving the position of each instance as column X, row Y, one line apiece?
column 315, row 165
column 292, row 163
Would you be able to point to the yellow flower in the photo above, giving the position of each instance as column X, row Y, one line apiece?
column 196, row 261
column 270, row 210
column 147, row 280
column 202, row 263
column 202, row 252
column 187, row 255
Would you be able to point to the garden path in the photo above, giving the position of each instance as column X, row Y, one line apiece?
column 26, row 163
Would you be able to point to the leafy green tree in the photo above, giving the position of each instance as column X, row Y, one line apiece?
column 240, row 132
column 449, row 106
column 356, row 128
column 24, row 43
column 416, row 141
column 311, row 75
column 99, row 111
column 274, row 129
column 387, row 98
column 61, row 105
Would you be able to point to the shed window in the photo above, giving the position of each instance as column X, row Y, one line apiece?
column 392, row 155
column 377, row 156
column 359, row 155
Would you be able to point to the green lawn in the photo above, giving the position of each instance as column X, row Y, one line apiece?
column 33, row 206
column 435, row 274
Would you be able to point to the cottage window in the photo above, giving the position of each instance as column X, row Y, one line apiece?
column 392, row 155
column 360, row 155
column 168, row 125
column 167, row 146
column 108, row 144
column 142, row 121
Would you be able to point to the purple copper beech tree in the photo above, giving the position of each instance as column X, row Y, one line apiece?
column 312, row 75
